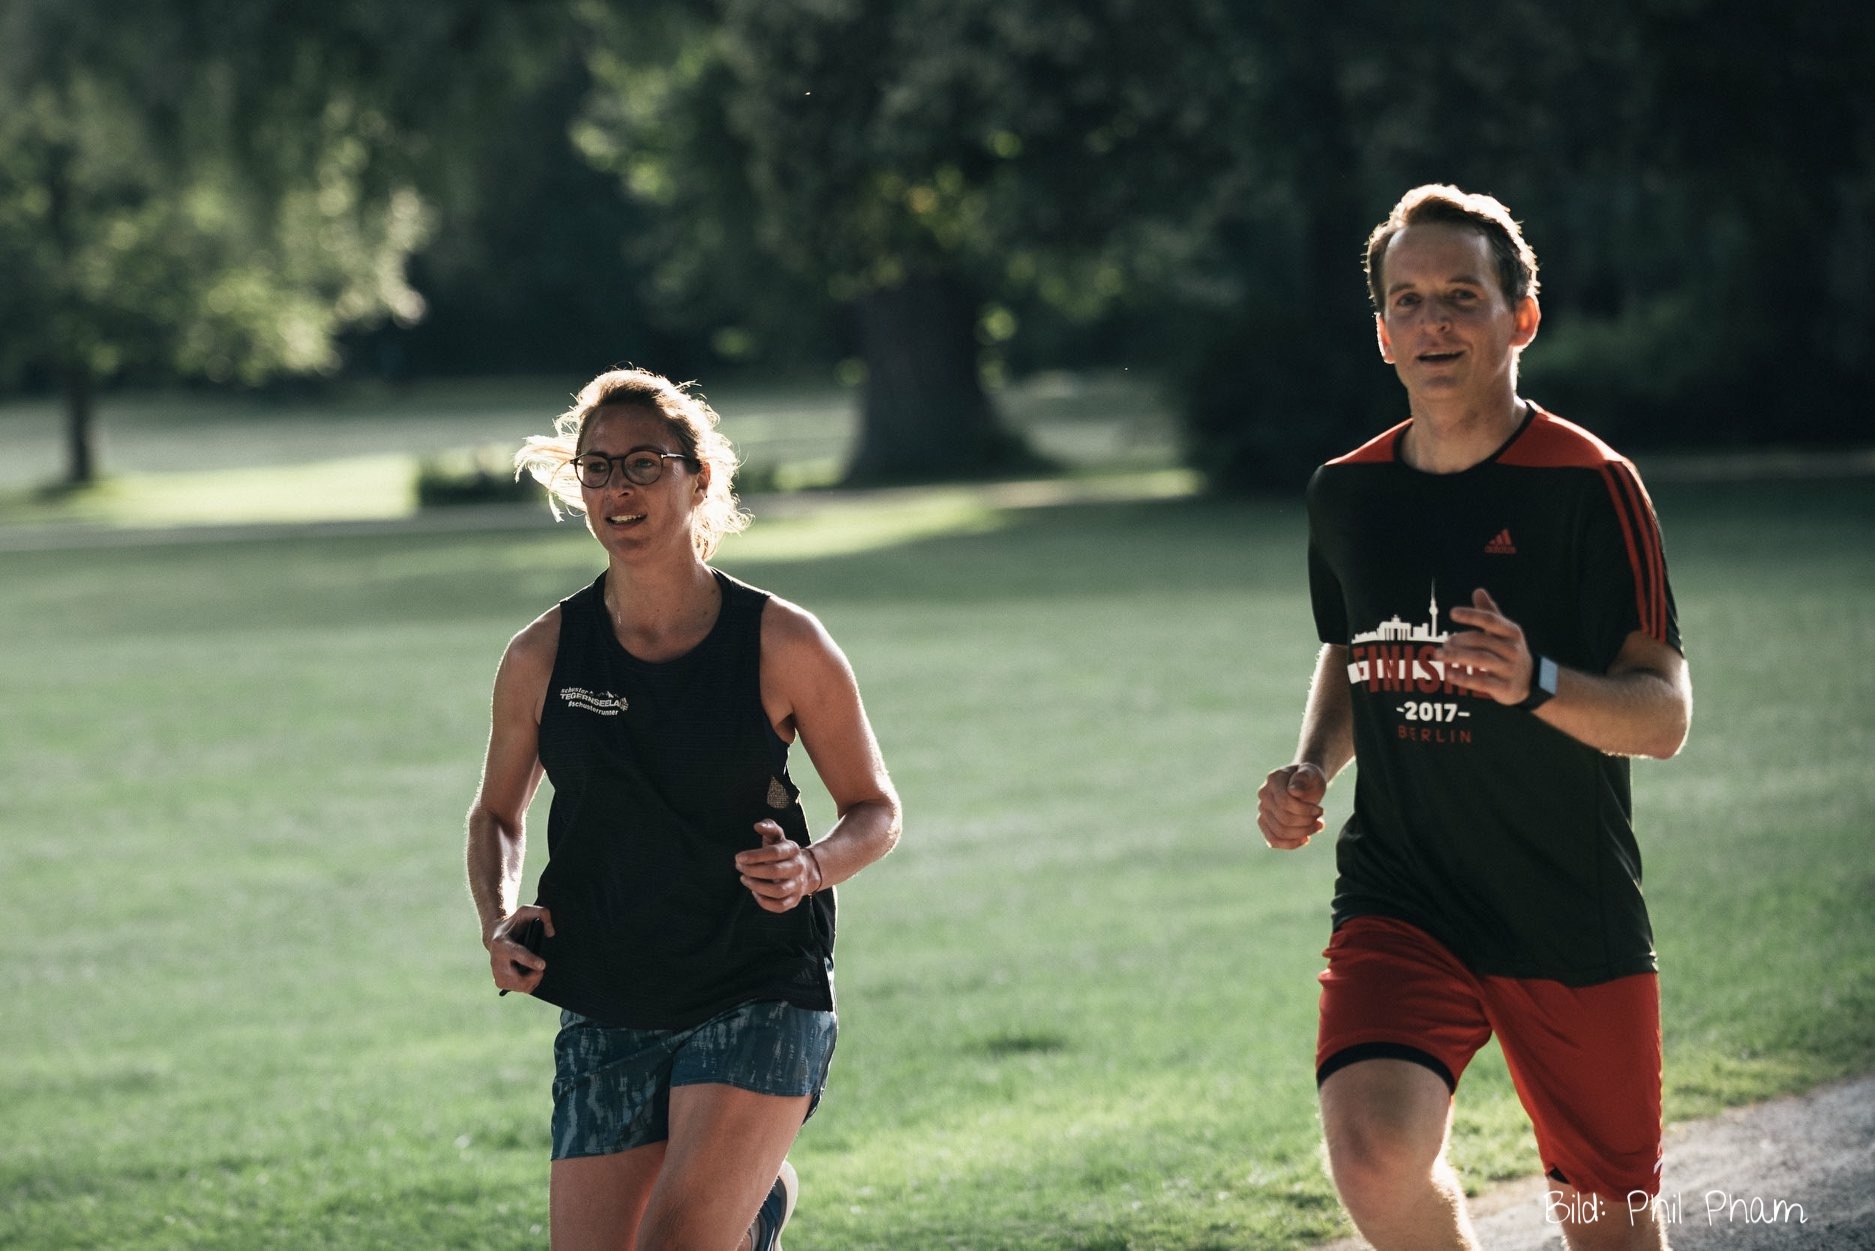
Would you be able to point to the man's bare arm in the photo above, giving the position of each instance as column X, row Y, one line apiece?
column 1289, row 803
column 1643, row 705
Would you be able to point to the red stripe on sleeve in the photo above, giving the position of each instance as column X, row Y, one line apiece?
column 1636, row 562
column 1656, row 557
column 1642, row 535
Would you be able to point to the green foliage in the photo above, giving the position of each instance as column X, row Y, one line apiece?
column 932, row 166
column 228, row 191
column 140, row 232
column 1078, row 1001
column 655, row 120
column 1032, row 151
column 973, row 137
column 1204, row 174
column 214, row 189
column 478, row 475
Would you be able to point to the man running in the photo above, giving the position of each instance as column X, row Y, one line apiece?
column 1499, row 636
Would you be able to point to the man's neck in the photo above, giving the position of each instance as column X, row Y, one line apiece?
column 1452, row 438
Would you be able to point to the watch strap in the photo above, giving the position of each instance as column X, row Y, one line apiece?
column 1543, row 683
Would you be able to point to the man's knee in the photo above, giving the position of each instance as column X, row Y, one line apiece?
column 1384, row 1123
column 1373, row 1158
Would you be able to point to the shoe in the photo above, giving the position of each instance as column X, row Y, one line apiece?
column 765, row 1234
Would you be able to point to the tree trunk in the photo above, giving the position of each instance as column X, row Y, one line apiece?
column 74, row 369
column 80, row 462
column 925, row 415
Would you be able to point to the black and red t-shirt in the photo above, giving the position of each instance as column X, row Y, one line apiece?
column 1501, row 836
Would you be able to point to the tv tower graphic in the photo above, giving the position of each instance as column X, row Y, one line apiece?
column 1394, row 630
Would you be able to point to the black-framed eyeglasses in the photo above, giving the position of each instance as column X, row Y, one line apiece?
column 640, row 468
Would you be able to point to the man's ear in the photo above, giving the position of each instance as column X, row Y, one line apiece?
column 1383, row 338
column 1529, row 315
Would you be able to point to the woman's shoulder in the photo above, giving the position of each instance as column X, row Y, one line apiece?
column 788, row 631
column 783, row 618
column 532, row 651
column 794, row 642
column 748, row 597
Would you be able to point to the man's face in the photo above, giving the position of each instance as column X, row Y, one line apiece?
column 1446, row 326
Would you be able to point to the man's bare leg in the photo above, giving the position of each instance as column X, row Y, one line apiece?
column 1386, row 1123
column 1610, row 1225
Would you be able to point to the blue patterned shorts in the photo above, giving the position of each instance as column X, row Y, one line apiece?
column 612, row 1086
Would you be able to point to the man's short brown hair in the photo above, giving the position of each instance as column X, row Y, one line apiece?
column 1439, row 202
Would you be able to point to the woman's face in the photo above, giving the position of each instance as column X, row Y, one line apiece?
column 631, row 519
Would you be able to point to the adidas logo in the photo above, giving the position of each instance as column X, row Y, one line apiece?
column 1501, row 545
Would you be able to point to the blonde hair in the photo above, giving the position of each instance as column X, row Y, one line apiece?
column 692, row 422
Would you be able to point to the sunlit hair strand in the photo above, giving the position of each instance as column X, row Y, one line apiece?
column 692, row 422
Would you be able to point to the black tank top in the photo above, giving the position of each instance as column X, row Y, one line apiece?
column 659, row 773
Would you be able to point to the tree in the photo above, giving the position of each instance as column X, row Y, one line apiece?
column 1349, row 107
column 215, row 189
column 912, row 164
column 915, row 175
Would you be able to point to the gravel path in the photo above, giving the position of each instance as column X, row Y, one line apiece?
column 1794, row 1173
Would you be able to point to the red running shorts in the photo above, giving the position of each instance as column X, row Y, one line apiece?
column 1585, row 1059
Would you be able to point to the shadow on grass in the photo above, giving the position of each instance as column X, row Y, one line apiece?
column 1085, row 551
column 395, row 581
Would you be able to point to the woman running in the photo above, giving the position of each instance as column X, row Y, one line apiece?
column 685, row 918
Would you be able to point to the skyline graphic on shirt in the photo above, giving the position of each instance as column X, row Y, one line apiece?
column 1394, row 630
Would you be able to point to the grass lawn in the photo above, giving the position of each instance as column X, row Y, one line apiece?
column 245, row 1005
